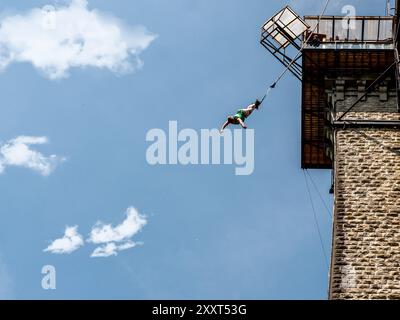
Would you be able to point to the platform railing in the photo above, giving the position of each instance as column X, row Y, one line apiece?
column 360, row 30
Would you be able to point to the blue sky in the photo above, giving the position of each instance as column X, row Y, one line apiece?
column 209, row 234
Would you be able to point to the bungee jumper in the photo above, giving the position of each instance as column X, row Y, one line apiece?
column 241, row 115
column 313, row 39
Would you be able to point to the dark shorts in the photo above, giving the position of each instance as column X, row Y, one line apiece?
column 233, row 120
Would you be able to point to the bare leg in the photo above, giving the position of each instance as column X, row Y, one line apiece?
column 242, row 123
column 249, row 110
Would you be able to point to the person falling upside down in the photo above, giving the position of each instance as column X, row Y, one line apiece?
column 240, row 116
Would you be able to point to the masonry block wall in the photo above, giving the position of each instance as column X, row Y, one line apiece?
column 366, row 232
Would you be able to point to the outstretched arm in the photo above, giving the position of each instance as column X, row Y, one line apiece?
column 224, row 126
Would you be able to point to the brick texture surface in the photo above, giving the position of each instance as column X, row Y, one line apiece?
column 366, row 239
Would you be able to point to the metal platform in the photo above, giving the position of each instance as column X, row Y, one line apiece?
column 282, row 37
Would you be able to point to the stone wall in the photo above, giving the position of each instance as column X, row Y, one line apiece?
column 366, row 236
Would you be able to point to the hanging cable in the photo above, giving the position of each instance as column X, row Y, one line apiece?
column 301, row 49
column 316, row 222
column 273, row 85
column 319, row 193
column 266, row 94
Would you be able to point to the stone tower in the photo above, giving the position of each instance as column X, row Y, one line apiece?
column 351, row 124
column 366, row 230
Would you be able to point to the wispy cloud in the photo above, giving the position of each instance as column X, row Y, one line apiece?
column 6, row 282
column 70, row 242
column 111, row 249
column 17, row 152
column 314, row 7
column 110, row 240
column 104, row 233
column 116, row 238
column 54, row 40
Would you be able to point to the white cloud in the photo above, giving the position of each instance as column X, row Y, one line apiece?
column 111, row 240
column 111, row 249
column 70, row 242
column 105, row 233
column 54, row 40
column 17, row 153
